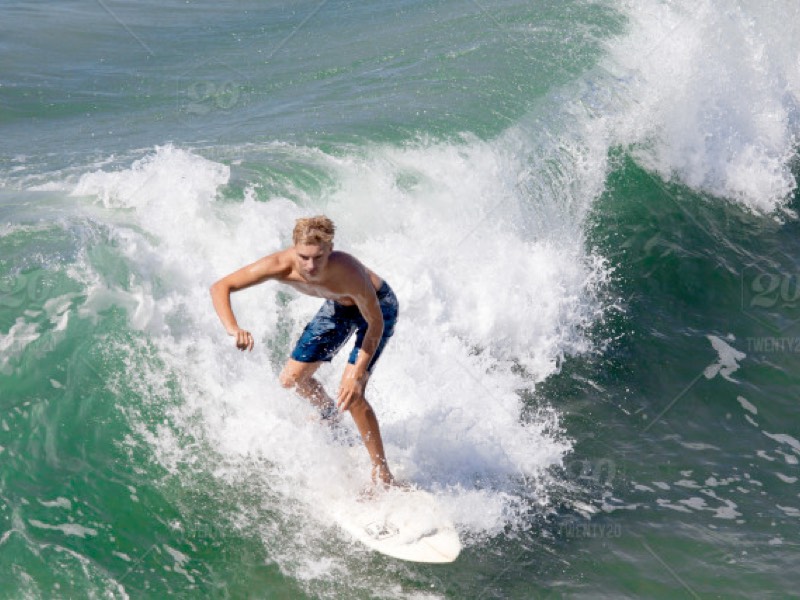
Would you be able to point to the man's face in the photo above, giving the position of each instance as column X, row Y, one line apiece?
column 312, row 259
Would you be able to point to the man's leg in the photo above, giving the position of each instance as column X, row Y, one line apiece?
column 300, row 377
column 367, row 423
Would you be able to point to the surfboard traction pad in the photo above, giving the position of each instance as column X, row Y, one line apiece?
column 381, row 531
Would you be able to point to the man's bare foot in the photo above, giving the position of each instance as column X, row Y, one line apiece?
column 382, row 476
column 404, row 486
column 377, row 489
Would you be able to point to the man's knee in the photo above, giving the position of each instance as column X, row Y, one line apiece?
column 288, row 380
column 360, row 405
column 292, row 378
column 296, row 374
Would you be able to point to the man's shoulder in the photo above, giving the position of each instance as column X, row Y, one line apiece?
column 345, row 264
column 345, row 258
column 279, row 264
column 285, row 255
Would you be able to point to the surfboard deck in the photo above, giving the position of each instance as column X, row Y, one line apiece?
column 404, row 524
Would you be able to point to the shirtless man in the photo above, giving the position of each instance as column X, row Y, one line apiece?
column 357, row 300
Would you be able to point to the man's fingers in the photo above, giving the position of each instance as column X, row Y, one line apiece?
column 244, row 340
column 344, row 401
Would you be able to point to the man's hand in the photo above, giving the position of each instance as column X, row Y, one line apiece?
column 351, row 389
column 244, row 339
column 274, row 266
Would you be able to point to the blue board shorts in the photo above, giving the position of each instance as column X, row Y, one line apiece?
column 333, row 325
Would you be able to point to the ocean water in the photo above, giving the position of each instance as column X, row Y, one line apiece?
column 588, row 211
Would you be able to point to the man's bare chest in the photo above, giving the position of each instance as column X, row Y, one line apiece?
column 320, row 291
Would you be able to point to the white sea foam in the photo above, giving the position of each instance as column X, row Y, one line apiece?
column 785, row 438
column 728, row 361
column 748, row 406
column 446, row 390
column 57, row 503
column 789, row 458
column 790, row 511
column 709, row 93
column 66, row 528
column 13, row 343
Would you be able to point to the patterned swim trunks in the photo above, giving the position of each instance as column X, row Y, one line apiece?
column 333, row 325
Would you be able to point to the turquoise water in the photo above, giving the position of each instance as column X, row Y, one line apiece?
column 587, row 210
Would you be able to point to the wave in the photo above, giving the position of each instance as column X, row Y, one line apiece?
column 708, row 94
column 483, row 241
column 489, row 306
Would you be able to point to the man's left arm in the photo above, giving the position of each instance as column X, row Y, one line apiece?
column 369, row 307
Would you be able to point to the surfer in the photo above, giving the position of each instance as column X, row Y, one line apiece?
column 357, row 301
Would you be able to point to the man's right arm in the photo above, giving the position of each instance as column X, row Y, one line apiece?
column 274, row 266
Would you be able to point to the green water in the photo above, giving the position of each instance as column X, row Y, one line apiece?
column 593, row 244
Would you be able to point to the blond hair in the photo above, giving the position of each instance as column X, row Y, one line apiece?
column 317, row 231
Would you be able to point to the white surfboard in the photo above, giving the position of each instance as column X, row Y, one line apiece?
column 404, row 524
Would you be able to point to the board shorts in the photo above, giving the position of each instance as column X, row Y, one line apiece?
column 333, row 325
